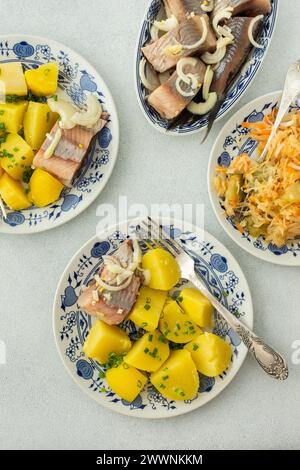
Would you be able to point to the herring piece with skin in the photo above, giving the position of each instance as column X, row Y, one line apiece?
column 235, row 53
column 70, row 151
column 182, row 8
column 187, row 33
column 167, row 100
column 243, row 7
column 112, row 307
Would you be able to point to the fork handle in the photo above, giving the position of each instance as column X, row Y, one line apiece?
column 269, row 359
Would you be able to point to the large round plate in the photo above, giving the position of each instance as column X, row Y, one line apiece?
column 247, row 75
column 220, row 272
column 77, row 78
column 232, row 140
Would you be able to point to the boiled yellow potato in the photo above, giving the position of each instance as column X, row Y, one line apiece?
column 43, row 80
column 1, row 171
column 148, row 307
column 176, row 325
column 12, row 115
column 210, row 353
column 149, row 352
column 104, row 339
column 126, row 381
column 12, row 80
column 44, row 188
column 163, row 268
column 197, row 306
column 178, row 378
column 13, row 193
column 16, row 156
column 38, row 121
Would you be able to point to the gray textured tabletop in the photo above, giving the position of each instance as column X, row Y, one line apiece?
column 40, row 406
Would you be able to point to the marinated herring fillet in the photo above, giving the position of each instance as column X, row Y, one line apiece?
column 182, row 8
column 243, row 7
column 186, row 33
column 235, row 54
column 112, row 307
column 70, row 151
column 166, row 99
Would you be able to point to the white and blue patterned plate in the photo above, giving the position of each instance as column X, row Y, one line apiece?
column 245, row 78
column 77, row 78
column 220, row 272
column 231, row 141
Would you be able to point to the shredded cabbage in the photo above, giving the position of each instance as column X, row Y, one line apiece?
column 271, row 189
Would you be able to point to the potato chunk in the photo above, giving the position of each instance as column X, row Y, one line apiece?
column 12, row 80
column 197, row 306
column 176, row 325
column 44, row 188
column 163, row 268
column 104, row 339
column 12, row 115
column 149, row 352
column 178, row 378
column 13, row 193
column 43, row 80
column 16, row 156
column 38, row 121
column 148, row 307
column 126, row 381
column 210, row 353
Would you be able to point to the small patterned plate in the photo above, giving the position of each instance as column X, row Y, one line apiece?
column 77, row 78
column 220, row 272
column 232, row 140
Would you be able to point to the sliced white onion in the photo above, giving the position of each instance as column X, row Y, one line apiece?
column 113, row 288
column 183, row 63
column 225, row 31
column 224, row 14
column 201, row 40
column 54, row 141
column 114, row 267
column 154, row 33
column 193, row 85
column 2, row 209
column 144, row 80
column 220, row 52
column 208, row 5
column 208, row 78
column 203, row 108
column 91, row 115
column 250, row 31
column 166, row 25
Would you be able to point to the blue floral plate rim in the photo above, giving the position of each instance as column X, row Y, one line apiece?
column 221, row 153
column 76, row 77
column 220, row 270
column 246, row 78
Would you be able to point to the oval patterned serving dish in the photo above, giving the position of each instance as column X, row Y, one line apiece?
column 247, row 75
column 77, row 78
column 233, row 140
column 220, row 272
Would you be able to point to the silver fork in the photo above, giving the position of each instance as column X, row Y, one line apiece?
column 269, row 359
column 290, row 92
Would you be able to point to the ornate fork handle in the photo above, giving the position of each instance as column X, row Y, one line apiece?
column 269, row 359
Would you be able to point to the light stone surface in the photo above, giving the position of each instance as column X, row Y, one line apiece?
column 40, row 406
